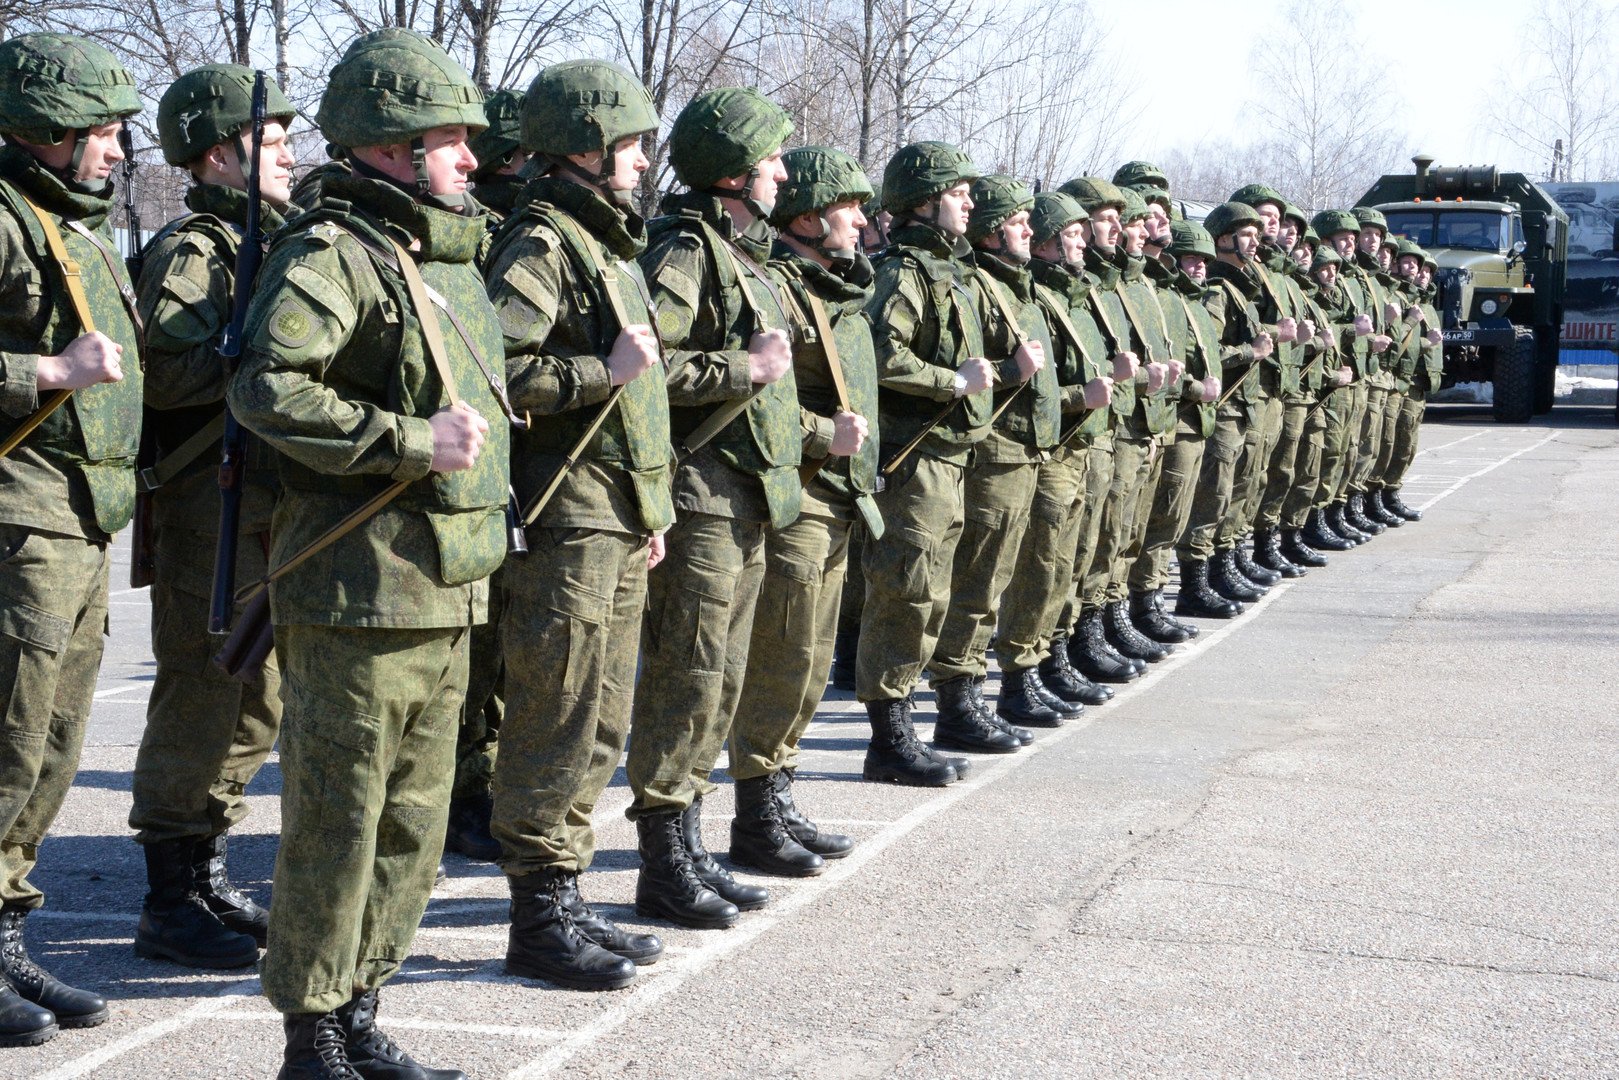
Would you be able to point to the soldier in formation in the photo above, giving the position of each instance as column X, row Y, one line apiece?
column 790, row 426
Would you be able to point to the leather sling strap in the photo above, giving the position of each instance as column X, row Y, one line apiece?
column 175, row 462
column 994, row 289
column 834, row 367
column 720, row 418
column 126, row 292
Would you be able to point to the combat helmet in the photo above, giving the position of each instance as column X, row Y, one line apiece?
column 995, row 199
column 1255, row 194
column 1228, row 217
column 1094, row 193
column 1329, row 223
column 1370, row 218
column 726, row 132
column 1190, row 238
column 818, row 177
column 1138, row 174
column 1053, row 212
column 210, row 105
column 495, row 144
column 54, row 84
column 582, row 106
column 1325, row 256
column 1134, row 208
column 918, row 172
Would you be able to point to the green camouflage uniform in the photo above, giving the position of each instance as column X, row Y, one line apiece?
column 1375, row 286
column 1297, row 397
column 1260, row 398
column 573, row 622
column 1344, row 405
column 206, row 733
column 1425, row 373
column 1315, row 382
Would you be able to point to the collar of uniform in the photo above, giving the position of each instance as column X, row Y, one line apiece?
column 754, row 241
column 1365, row 261
column 1070, row 284
column 50, row 192
column 230, row 206
column 444, row 236
column 1014, row 277
column 622, row 232
column 1131, row 267
column 1102, row 268
column 1156, row 272
column 924, row 237
column 1182, row 282
column 1236, row 275
column 500, row 192
column 846, row 284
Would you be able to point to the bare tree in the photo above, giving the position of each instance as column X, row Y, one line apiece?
column 1566, row 90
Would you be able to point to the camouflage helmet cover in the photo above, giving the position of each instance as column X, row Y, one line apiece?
column 1310, row 236
column 1139, row 174
column 1293, row 213
column 1094, row 193
column 1134, row 208
column 581, row 106
column 1325, row 256
column 1404, row 246
column 995, row 199
column 1150, row 195
column 394, row 90
column 1228, row 217
column 494, row 144
column 918, row 172
column 1053, row 212
column 1255, row 194
column 817, row 177
column 723, row 133
column 1190, row 238
column 51, row 84
column 1369, row 218
column 208, row 105
column 1328, row 223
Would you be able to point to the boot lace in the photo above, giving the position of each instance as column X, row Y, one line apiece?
column 331, row 1046
column 19, row 966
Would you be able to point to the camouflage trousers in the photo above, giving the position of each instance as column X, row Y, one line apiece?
column 790, row 648
column 1284, row 462
column 1406, row 429
column 1211, row 500
column 367, row 761
column 1180, row 471
column 1045, row 560
column 853, row 606
column 1345, row 411
column 1146, row 495
column 1132, row 465
column 1374, row 422
column 1258, row 443
column 694, row 648
column 1306, row 468
column 908, row 575
column 998, row 498
column 477, row 744
column 572, row 633
column 206, row 733
column 53, row 617
column 1393, row 407
column 1086, row 530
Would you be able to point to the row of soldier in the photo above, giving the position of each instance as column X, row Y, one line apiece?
column 1017, row 412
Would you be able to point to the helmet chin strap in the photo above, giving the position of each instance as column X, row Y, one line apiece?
column 602, row 179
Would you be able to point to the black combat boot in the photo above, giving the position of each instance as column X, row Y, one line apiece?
column 985, row 712
column 22, row 1023
column 828, row 845
column 1157, row 597
column 1151, row 622
column 709, row 871
column 1020, row 701
column 1126, row 639
column 1338, row 518
column 315, row 1048
column 643, row 949
column 1297, row 551
column 372, row 1054
column 1372, row 504
column 1251, row 570
column 1068, row 710
column 895, row 755
column 844, row 648
column 959, row 725
column 1320, row 535
column 1229, row 582
column 544, row 941
column 1396, row 505
column 234, row 907
column 1198, row 599
column 1268, row 553
column 1355, row 514
column 668, row 886
column 176, row 922
column 73, row 1008
column 1090, row 652
column 1059, row 675
column 760, row 839
column 468, row 830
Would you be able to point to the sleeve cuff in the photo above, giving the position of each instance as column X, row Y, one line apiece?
column 415, row 449
column 737, row 376
column 19, row 391
column 818, row 434
column 595, row 381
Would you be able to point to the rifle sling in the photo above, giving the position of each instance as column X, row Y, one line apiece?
column 126, row 292
column 175, row 462
column 718, row 420
column 994, row 289
column 834, row 367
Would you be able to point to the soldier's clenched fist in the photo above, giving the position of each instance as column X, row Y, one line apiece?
column 458, row 435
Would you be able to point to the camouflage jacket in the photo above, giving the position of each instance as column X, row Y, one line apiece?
column 1404, row 363
column 184, row 296
column 1078, row 352
column 1278, row 300
column 1322, row 362
column 1431, row 373
column 1372, row 287
column 1197, row 342
column 1029, row 427
column 75, row 473
column 1230, row 299
column 844, row 485
column 1154, row 413
column 559, row 327
column 1108, row 311
column 335, row 376
column 749, row 470
column 925, row 325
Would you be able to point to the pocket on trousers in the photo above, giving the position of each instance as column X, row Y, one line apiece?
column 336, row 753
column 902, row 560
column 31, row 626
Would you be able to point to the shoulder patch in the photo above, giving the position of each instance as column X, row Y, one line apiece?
column 292, row 324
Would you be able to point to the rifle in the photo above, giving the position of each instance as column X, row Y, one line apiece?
column 233, row 450
column 142, row 558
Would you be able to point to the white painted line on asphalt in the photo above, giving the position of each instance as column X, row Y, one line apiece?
column 1465, row 480
column 123, row 917
column 208, row 1008
column 1453, row 442
column 672, row 974
column 126, row 592
column 407, row 1023
column 115, row 691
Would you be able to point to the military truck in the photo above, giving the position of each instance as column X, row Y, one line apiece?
column 1502, row 246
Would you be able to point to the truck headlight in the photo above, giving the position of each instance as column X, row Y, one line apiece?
column 1488, row 307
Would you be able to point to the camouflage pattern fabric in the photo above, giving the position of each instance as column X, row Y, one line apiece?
column 1044, row 565
column 477, row 743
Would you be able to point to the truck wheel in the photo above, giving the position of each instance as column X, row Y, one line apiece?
column 1546, row 349
column 1514, row 378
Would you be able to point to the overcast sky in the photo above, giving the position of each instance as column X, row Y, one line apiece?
column 1458, row 49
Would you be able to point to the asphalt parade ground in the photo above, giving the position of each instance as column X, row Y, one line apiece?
column 1370, row 828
